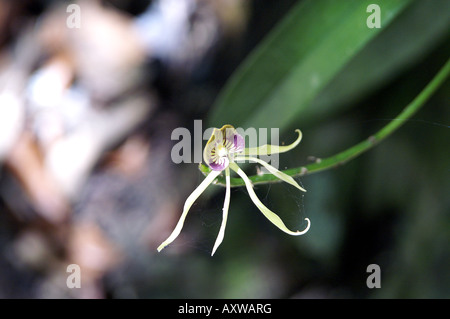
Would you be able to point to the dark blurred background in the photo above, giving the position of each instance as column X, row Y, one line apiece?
column 86, row 116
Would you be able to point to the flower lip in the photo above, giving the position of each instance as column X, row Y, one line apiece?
column 221, row 147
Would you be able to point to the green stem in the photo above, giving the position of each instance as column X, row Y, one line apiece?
column 356, row 150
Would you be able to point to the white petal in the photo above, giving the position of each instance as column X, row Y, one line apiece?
column 187, row 205
column 273, row 170
column 272, row 149
column 226, row 205
column 274, row 218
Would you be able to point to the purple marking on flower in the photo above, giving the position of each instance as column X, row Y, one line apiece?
column 220, row 165
column 239, row 143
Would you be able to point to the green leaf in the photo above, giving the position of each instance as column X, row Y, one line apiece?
column 297, row 60
column 412, row 35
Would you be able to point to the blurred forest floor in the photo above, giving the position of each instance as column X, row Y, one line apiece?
column 86, row 121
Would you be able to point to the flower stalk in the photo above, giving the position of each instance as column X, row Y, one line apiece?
column 343, row 157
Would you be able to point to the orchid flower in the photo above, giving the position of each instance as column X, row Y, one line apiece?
column 221, row 152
